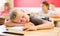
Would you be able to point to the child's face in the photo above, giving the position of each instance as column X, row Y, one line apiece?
column 44, row 7
column 22, row 19
column 53, row 7
column 6, row 8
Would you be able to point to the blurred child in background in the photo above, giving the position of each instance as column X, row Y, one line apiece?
column 54, row 10
column 6, row 10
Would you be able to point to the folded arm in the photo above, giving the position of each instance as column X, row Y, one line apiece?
column 45, row 25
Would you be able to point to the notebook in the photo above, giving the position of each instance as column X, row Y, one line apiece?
column 17, row 28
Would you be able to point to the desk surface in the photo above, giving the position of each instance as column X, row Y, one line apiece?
column 55, row 19
column 46, row 32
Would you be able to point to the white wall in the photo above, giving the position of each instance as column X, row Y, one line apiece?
column 2, row 4
column 35, row 9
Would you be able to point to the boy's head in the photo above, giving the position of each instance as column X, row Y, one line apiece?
column 52, row 6
column 19, row 17
column 7, row 6
column 45, row 5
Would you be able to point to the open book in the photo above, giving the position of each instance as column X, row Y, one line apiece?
column 17, row 28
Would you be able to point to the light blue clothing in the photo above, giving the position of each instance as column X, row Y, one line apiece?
column 56, row 12
column 46, row 14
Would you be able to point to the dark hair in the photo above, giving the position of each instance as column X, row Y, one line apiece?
column 6, row 4
column 46, row 3
column 13, row 16
column 28, row 14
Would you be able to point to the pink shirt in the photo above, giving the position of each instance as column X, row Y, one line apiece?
column 5, row 12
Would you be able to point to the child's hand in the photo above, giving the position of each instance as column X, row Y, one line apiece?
column 32, row 28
